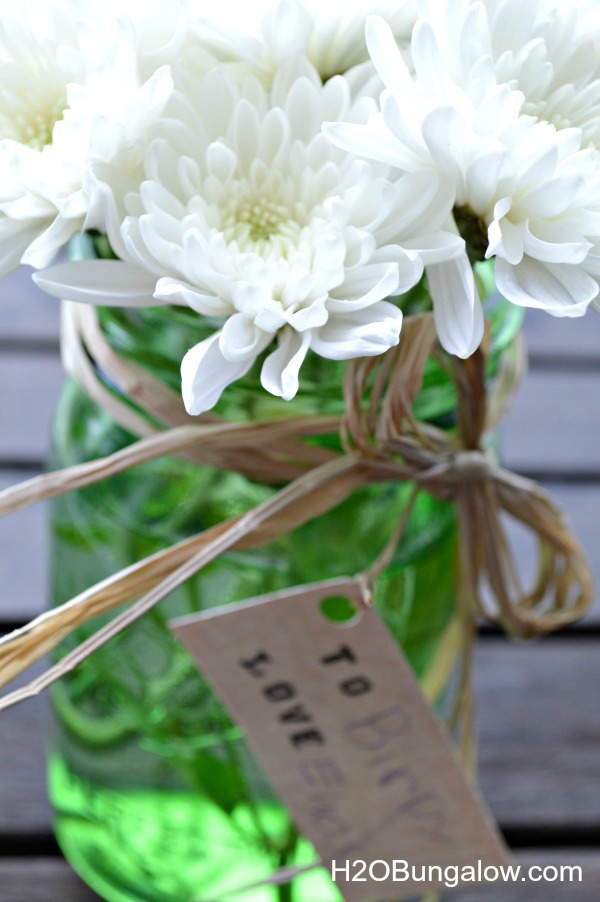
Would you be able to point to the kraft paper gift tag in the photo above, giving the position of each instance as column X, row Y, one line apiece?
column 341, row 728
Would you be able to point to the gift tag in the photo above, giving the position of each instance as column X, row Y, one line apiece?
column 341, row 728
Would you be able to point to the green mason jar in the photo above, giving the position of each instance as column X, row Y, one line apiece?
column 156, row 795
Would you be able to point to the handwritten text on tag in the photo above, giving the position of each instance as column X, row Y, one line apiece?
column 339, row 724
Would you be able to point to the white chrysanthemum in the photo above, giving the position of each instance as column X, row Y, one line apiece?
column 161, row 28
column 331, row 34
column 538, row 48
column 71, row 91
column 245, row 211
column 524, row 191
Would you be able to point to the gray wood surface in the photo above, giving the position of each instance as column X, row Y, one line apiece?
column 29, row 386
column 539, row 725
column 24, row 807
column 23, row 576
column 539, row 739
column 554, row 424
column 41, row 880
column 26, row 313
column 527, row 890
column 556, row 339
column 552, row 428
column 24, row 559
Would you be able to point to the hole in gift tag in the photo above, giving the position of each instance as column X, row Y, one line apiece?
column 339, row 609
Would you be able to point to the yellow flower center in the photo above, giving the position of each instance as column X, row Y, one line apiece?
column 260, row 225
column 31, row 124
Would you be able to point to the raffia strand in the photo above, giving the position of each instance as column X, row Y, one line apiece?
column 382, row 441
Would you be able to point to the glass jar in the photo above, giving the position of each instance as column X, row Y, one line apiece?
column 156, row 795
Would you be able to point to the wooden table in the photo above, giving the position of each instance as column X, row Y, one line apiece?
column 539, row 711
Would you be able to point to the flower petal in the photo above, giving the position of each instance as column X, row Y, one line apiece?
column 365, row 333
column 279, row 374
column 436, row 247
column 372, row 141
column 456, row 306
column 447, row 139
column 107, row 282
column 385, row 55
column 240, row 339
column 561, row 289
column 205, row 373
column 311, row 317
column 46, row 245
column 173, row 291
column 14, row 239
column 505, row 241
column 368, row 285
column 553, row 242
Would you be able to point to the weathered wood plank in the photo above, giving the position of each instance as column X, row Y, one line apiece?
column 553, row 427
column 554, row 424
column 562, row 337
column 539, row 728
column 540, row 732
column 43, row 879
column 23, row 559
column 25, row 311
column 24, row 554
column 24, row 807
column 28, row 313
column 29, row 386
column 527, row 890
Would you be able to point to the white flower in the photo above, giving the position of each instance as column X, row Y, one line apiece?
column 245, row 211
column 329, row 34
column 71, row 92
column 525, row 192
column 538, row 48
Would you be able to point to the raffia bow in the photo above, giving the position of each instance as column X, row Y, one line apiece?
column 383, row 441
column 458, row 465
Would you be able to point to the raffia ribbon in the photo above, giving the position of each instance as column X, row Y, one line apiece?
column 383, row 441
column 460, row 467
